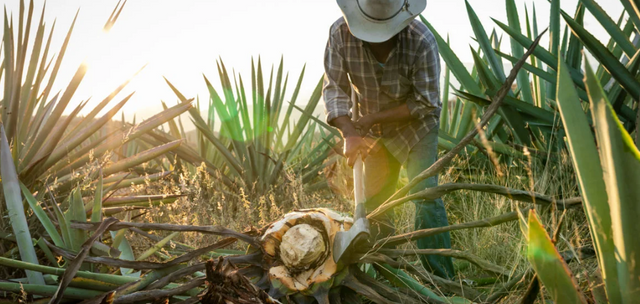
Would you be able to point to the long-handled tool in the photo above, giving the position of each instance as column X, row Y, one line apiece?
column 359, row 232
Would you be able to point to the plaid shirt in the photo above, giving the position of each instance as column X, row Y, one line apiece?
column 410, row 75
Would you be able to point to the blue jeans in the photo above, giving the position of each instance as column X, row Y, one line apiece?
column 381, row 178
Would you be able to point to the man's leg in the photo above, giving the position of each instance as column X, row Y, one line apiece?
column 430, row 213
column 381, row 171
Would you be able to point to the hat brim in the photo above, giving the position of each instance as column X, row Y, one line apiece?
column 375, row 31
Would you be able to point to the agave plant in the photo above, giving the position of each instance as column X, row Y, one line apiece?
column 60, row 161
column 46, row 145
column 564, row 86
column 62, row 235
column 49, row 147
column 258, row 139
column 529, row 114
column 606, row 176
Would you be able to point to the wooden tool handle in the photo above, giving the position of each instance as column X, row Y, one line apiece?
column 358, row 167
column 355, row 107
column 358, row 189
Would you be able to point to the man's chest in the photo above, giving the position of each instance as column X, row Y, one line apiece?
column 391, row 82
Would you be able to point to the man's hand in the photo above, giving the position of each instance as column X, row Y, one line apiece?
column 365, row 123
column 353, row 132
column 354, row 146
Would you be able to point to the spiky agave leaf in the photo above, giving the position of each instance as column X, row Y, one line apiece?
column 620, row 160
column 550, row 267
column 13, row 199
column 584, row 154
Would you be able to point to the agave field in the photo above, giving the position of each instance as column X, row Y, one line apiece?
column 539, row 169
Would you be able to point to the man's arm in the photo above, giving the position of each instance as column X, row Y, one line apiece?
column 336, row 89
column 398, row 114
column 353, row 132
column 354, row 144
column 346, row 126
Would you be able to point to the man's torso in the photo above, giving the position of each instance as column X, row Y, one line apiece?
column 381, row 86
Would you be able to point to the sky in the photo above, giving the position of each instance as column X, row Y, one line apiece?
column 181, row 40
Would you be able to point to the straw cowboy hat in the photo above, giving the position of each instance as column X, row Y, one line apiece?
column 379, row 20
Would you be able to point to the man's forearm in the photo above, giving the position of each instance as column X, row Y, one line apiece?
column 345, row 125
column 398, row 114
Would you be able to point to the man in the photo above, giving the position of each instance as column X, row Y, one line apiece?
column 391, row 61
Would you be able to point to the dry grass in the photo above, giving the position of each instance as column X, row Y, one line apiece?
column 210, row 203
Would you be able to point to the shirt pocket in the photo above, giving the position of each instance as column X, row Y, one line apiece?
column 397, row 87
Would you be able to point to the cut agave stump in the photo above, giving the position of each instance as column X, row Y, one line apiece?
column 298, row 252
column 302, row 247
column 295, row 262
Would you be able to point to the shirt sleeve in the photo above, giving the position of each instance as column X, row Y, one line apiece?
column 336, row 88
column 425, row 99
